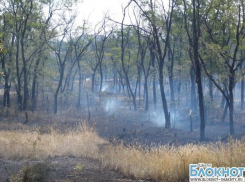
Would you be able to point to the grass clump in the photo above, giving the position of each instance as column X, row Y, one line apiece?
column 38, row 173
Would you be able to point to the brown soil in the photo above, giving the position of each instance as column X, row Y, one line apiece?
column 64, row 170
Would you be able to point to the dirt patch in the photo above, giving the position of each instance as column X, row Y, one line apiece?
column 64, row 170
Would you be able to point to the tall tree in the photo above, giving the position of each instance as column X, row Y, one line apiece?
column 100, row 49
column 161, row 38
column 194, row 34
column 62, row 50
column 124, row 42
column 224, row 26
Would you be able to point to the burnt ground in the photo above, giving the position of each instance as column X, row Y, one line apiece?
column 116, row 121
column 64, row 170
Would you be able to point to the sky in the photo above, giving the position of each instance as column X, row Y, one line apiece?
column 94, row 10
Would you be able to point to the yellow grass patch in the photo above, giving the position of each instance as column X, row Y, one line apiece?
column 172, row 163
column 35, row 145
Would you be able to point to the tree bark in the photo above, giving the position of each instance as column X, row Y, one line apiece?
column 58, row 88
column 224, row 113
column 79, row 85
column 193, row 90
column 18, row 73
column 210, row 84
column 34, row 84
column 231, row 99
column 153, row 57
column 146, row 95
column 170, row 72
column 242, row 91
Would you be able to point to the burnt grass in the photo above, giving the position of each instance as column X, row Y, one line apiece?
column 117, row 124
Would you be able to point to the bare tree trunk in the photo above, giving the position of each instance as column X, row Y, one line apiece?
column 210, row 84
column 222, row 104
column 170, row 70
column 34, row 84
column 146, row 94
column 231, row 103
column 58, row 89
column 93, row 76
column 164, row 101
column 139, row 79
column 201, row 106
column 154, row 80
column 18, row 73
column 242, row 91
column 79, row 85
column 73, row 78
column 224, row 113
column 93, row 80
column 6, row 96
column 179, row 72
column 193, row 90
column 7, row 86
column 101, row 77
column 242, row 94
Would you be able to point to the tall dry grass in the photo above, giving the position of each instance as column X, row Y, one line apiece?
column 82, row 142
column 162, row 163
column 167, row 163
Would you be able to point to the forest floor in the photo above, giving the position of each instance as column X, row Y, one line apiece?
column 114, row 121
column 63, row 169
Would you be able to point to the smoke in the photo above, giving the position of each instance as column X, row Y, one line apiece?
column 111, row 105
column 158, row 119
column 104, row 87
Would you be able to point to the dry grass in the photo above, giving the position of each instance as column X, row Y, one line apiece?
column 38, row 145
column 163, row 163
column 171, row 163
